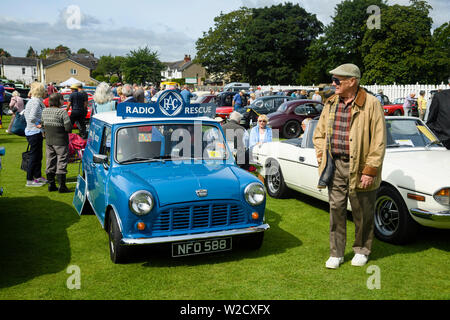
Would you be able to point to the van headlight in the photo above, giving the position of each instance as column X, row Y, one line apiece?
column 254, row 194
column 141, row 203
column 442, row 196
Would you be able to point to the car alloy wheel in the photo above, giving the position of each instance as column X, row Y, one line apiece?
column 276, row 188
column 393, row 222
column 386, row 215
column 292, row 129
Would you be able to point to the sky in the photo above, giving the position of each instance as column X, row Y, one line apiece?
column 170, row 28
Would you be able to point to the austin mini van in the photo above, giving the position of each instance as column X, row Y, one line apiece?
column 162, row 173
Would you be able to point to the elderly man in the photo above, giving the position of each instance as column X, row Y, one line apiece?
column 351, row 133
column 128, row 91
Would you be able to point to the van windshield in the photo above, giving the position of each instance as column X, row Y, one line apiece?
column 149, row 143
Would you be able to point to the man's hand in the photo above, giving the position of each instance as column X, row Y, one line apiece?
column 366, row 181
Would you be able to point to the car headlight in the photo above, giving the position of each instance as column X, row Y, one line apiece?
column 254, row 194
column 141, row 203
column 442, row 196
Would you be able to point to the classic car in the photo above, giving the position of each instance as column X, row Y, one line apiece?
column 203, row 97
column 289, row 116
column 415, row 177
column 2, row 153
column 262, row 105
column 163, row 174
column 396, row 108
column 224, row 102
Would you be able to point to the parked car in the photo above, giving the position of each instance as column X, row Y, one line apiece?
column 224, row 101
column 66, row 96
column 2, row 153
column 415, row 186
column 204, row 97
column 262, row 105
column 290, row 114
column 154, row 176
column 396, row 108
column 236, row 86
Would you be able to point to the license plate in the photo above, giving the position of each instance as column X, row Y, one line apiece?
column 201, row 246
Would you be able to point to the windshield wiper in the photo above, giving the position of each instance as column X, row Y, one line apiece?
column 393, row 145
column 429, row 144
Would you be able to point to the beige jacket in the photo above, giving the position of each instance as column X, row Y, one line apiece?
column 367, row 139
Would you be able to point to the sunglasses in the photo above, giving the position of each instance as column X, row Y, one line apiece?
column 262, row 121
column 337, row 80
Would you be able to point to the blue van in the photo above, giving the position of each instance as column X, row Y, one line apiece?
column 163, row 173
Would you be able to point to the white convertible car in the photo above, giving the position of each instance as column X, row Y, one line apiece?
column 416, row 177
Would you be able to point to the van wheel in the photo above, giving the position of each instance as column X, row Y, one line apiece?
column 117, row 251
column 254, row 241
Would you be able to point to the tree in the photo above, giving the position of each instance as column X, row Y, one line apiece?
column 216, row 49
column 341, row 41
column 397, row 52
column 4, row 53
column 438, row 53
column 83, row 51
column 109, row 66
column 273, row 47
column 141, row 66
column 31, row 53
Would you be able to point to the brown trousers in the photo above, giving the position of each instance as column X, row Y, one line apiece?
column 362, row 204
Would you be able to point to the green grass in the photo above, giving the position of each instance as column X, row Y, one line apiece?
column 41, row 235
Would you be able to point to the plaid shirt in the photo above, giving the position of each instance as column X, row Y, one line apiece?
column 339, row 141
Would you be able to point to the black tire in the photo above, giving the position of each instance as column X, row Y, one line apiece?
column 393, row 223
column 397, row 113
column 254, row 241
column 274, row 181
column 292, row 129
column 117, row 251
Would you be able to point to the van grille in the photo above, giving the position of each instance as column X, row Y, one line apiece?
column 199, row 216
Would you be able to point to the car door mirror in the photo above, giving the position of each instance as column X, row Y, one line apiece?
column 100, row 158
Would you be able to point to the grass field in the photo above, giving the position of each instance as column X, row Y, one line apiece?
column 41, row 236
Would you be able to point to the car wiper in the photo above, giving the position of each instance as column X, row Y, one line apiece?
column 135, row 159
column 429, row 144
column 393, row 145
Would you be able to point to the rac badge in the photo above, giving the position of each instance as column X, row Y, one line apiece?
column 170, row 103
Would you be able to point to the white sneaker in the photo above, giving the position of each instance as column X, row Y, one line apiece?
column 359, row 260
column 334, row 262
column 34, row 183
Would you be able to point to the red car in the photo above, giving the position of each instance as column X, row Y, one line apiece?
column 224, row 102
column 66, row 96
column 396, row 108
column 289, row 116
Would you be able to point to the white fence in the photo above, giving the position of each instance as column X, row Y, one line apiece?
column 401, row 91
column 392, row 91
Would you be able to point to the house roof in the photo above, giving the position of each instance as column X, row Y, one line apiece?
column 18, row 61
column 178, row 65
column 51, row 63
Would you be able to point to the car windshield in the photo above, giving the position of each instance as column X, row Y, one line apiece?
column 409, row 133
column 283, row 107
column 169, row 142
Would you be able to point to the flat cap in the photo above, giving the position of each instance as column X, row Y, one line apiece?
column 347, row 70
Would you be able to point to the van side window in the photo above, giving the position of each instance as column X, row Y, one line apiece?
column 105, row 147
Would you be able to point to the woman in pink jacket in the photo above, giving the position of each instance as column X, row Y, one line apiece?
column 16, row 106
